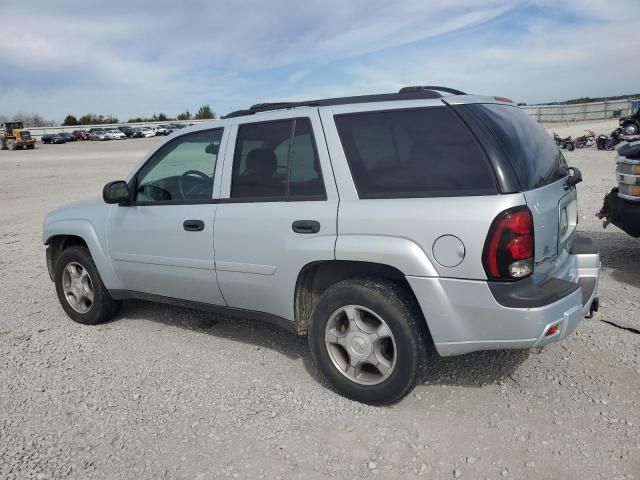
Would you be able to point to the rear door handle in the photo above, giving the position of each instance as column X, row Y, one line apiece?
column 305, row 226
column 193, row 225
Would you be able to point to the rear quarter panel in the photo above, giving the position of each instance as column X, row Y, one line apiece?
column 400, row 232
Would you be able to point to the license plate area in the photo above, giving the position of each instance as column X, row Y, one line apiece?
column 567, row 220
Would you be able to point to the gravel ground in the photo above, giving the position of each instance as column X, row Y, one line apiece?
column 165, row 392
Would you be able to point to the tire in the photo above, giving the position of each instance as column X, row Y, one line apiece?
column 31, row 147
column 11, row 145
column 405, row 350
column 102, row 307
column 631, row 129
column 570, row 147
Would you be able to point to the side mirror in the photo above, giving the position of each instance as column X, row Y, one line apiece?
column 116, row 192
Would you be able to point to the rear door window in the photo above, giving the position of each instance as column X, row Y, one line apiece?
column 424, row 152
column 533, row 154
column 277, row 160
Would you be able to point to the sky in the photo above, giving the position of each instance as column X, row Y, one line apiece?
column 136, row 58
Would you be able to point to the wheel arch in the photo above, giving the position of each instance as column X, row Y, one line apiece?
column 316, row 277
column 63, row 234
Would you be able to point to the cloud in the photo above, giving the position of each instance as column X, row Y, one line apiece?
column 136, row 58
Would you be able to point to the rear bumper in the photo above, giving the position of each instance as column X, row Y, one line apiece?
column 466, row 315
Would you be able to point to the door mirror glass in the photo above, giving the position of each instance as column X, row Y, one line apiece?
column 116, row 192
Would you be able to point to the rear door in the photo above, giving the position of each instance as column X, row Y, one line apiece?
column 277, row 211
column 542, row 172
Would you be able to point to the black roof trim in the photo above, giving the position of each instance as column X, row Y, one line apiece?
column 407, row 93
column 452, row 91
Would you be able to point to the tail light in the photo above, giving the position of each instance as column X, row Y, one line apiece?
column 508, row 250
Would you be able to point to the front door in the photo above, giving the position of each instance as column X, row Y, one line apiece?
column 277, row 211
column 162, row 243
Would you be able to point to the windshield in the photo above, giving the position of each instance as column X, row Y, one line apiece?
column 533, row 154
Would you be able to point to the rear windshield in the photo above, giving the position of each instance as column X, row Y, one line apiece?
column 535, row 157
column 423, row 152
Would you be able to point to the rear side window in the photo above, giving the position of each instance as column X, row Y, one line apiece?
column 424, row 152
column 277, row 160
column 535, row 157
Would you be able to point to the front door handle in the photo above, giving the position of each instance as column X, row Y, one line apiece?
column 305, row 226
column 193, row 225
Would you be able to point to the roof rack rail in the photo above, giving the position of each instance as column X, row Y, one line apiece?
column 418, row 88
column 407, row 93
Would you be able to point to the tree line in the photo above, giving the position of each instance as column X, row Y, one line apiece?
column 28, row 119
column 35, row 120
column 204, row 112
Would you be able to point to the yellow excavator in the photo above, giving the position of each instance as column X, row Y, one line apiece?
column 13, row 136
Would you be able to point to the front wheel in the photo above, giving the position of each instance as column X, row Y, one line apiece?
column 80, row 289
column 369, row 340
column 631, row 129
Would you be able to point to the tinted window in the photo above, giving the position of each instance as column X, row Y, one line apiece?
column 276, row 160
column 305, row 177
column 181, row 170
column 532, row 152
column 413, row 153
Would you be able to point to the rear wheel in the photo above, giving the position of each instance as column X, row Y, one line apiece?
column 80, row 289
column 368, row 338
column 11, row 144
column 570, row 147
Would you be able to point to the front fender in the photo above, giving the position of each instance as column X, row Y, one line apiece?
column 85, row 230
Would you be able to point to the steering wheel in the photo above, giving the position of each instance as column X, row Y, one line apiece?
column 203, row 177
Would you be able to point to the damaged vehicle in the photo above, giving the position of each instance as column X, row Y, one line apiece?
column 622, row 204
column 386, row 228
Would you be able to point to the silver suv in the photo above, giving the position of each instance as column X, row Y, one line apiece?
column 383, row 227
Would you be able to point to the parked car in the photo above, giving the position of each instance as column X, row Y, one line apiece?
column 455, row 232
column 99, row 134
column 80, row 134
column 116, row 134
column 162, row 130
column 137, row 133
column 53, row 138
column 127, row 130
column 68, row 136
column 147, row 132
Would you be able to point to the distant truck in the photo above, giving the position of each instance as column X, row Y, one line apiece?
column 622, row 204
column 14, row 136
